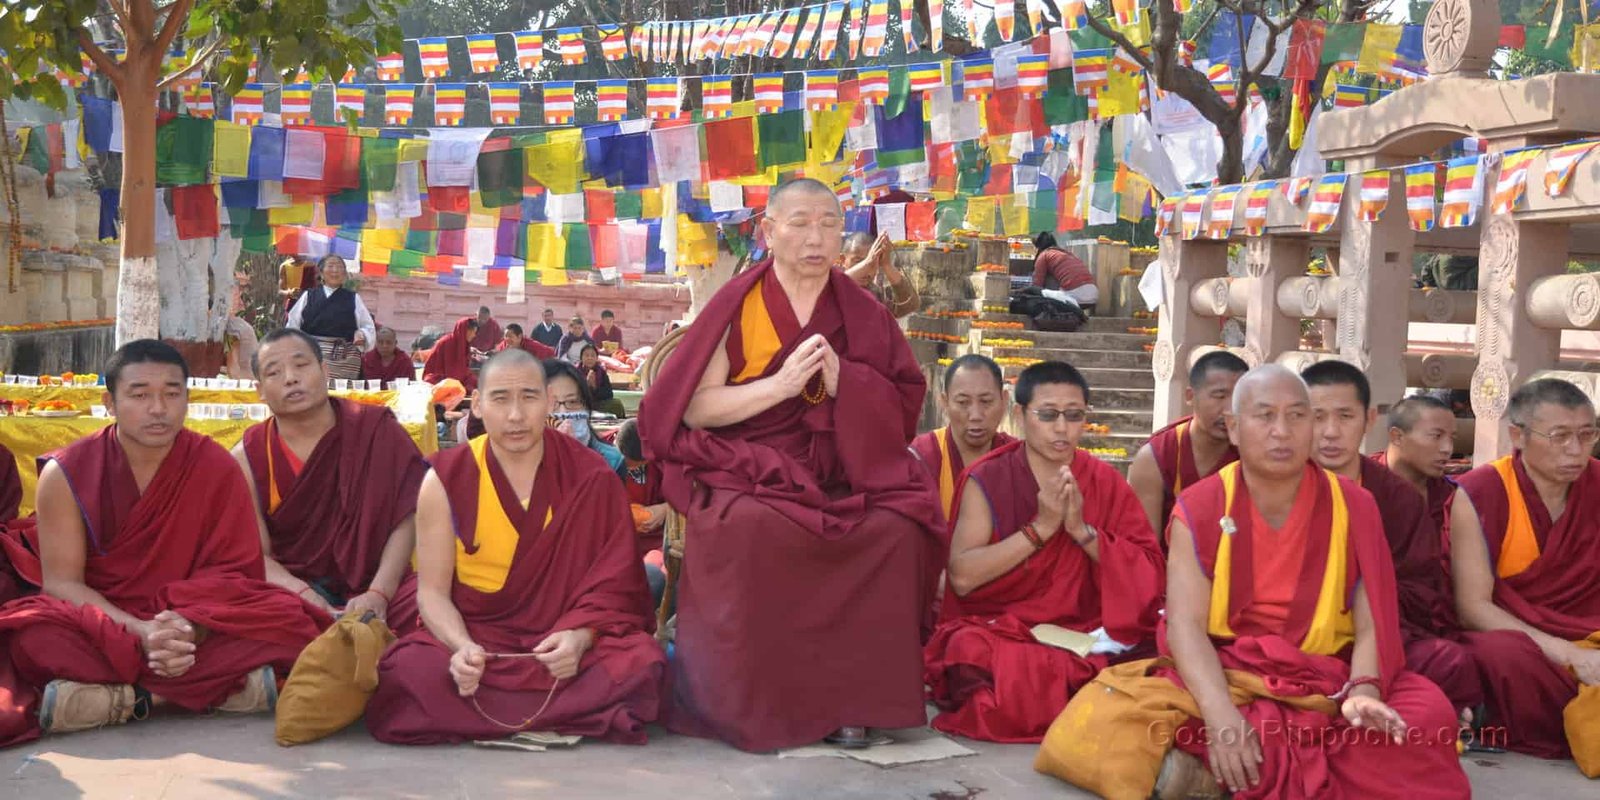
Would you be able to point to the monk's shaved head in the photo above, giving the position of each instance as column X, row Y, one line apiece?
column 1262, row 377
column 1525, row 401
column 1405, row 414
column 509, row 357
column 796, row 187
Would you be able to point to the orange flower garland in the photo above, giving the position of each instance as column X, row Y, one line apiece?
column 34, row 327
column 991, row 325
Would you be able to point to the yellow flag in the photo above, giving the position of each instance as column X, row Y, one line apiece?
column 413, row 150
column 697, row 242
column 381, row 239
column 827, row 132
column 297, row 214
column 23, row 135
column 1138, row 33
column 1378, row 48
column 1014, row 210
column 558, row 166
column 980, row 214
column 650, row 203
column 1119, row 96
column 1135, row 191
column 1586, row 47
column 230, row 154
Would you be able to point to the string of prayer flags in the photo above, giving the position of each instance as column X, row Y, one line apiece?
column 1374, row 194
column 926, row 76
column 716, row 96
column 613, row 46
column 858, row 23
column 1562, row 163
column 558, row 105
column 200, row 101
column 530, row 49
column 977, row 78
column 1004, row 21
column 822, row 90
column 611, row 99
column 661, row 98
column 573, row 50
column 1512, row 184
column 769, row 93
column 872, row 85
column 1169, row 206
column 808, row 34
column 391, row 67
column 786, row 32
column 399, row 100
column 295, row 104
column 449, row 104
column 762, row 41
column 1295, row 190
column 505, row 103
column 434, row 53
column 248, row 105
column 1255, row 207
column 1222, row 205
column 1420, row 194
column 877, row 29
column 1193, row 211
column 908, row 35
column 1033, row 74
column 1463, row 192
column 1325, row 202
column 1090, row 70
column 482, row 52
column 829, row 37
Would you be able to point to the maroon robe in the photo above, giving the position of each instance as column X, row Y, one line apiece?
column 851, row 538
column 333, row 520
column 1558, row 594
column 190, row 544
column 1441, row 492
column 373, row 368
column 579, row 571
column 1309, row 754
column 989, row 676
column 1174, row 453
column 452, row 358
column 535, row 348
column 488, row 335
column 926, row 447
column 642, row 482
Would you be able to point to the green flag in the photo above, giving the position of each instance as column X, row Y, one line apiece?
column 1343, row 42
column 1559, row 53
column 899, row 91
column 378, row 160
column 1042, row 211
column 782, row 138
column 1063, row 106
column 183, row 151
column 500, row 177
column 579, row 253
column 404, row 262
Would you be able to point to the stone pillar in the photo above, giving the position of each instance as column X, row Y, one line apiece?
column 1511, row 346
column 1375, row 292
column 1183, row 265
column 1270, row 260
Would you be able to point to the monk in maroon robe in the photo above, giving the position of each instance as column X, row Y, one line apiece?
column 1525, row 559
column 1342, row 413
column 452, row 356
column 515, row 338
column 1422, row 432
column 793, row 399
column 152, row 585
column 335, row 486
column 537, row 615
column 1179, row 455
column 974, row 403
column 387, row 362
column 1282, row 630
column 1044, row 535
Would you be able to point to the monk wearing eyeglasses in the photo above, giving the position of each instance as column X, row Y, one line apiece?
column 1525, row 558
column 1045, row 535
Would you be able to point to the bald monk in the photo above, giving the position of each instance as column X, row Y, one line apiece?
column 974, row 404
column 1179, row 455
column 1282, row 625
column 386, row 362
column 515, row 338
column 536, row 612
column 1422, row 431
column 152, row 585
column 793, row 401
column 1342, row 414
column 1045, row 534
column 335, row 485
column 1524, row 556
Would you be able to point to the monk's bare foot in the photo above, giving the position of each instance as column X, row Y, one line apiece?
column 1184, row 776
column 855, row 737
column 69, row 706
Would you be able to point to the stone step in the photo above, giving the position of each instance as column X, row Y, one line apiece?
column 1094, row 325
column 1133, row 421
column 1130, row 442
column 1082, row 359
column 1125, row 400
column 1112, row 378
column 1077, row 341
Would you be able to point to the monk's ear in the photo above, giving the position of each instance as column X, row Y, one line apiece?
column 1233, row 427
column 473, row 404
column 1372, row 418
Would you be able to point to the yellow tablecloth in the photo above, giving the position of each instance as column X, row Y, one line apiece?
column 82, row 397
column 30, row 437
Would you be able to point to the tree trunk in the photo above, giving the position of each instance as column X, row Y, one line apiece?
column 1230, row 167
column 138, row 298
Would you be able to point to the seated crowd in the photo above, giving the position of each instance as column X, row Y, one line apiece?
column 1292, row 617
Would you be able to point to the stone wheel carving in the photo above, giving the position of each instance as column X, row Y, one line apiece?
column 1434, row 373
column 1438, row 305
column 1161, row 360
column 1491, row 390
column 1444, row 35
column 1219, row 296
column 1310, row 298
column 1583, row 305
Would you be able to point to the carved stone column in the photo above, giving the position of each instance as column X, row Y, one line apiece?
column 1270, row 260
column 1511, row 346
column 1375, row 292
column 1183, row 265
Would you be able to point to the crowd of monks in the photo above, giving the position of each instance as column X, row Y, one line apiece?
column 1295, row 618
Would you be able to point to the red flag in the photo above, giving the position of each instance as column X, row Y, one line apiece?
column 730, row 148
column 919, row 221
column 1305, row 49
column 600, row 205
column 195, row 210
column 451, row 199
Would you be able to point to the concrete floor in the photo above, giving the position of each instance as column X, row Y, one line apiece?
column 235, row 758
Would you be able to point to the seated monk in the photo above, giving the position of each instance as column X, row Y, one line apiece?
column 515, row 338
column 793, row 399
column 1285, row 665
column 1342, row 413
column 452, row 356
column 1045, row 534
column 551, row 633
column 974, row 404
column 152, row 584
column 387, row 362
column 1422, row 431
column 335, row 485
column 1524, row 555
column 1179, row 455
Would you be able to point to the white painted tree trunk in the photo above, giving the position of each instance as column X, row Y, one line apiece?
column 196, row 281
column 705, row 281
column 138, row 300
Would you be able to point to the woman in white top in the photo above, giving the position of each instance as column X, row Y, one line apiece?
column 337, row 318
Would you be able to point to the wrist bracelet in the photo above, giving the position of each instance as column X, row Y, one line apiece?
column 379, row 592
column 1091, row 535
column 1350, row 686
column 1032, row 535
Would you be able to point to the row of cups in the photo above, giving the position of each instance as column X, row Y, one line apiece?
column 235, row 411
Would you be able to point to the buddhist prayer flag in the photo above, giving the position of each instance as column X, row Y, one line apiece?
column 248, row 105
column 295, row 105
column 1221, row 77
column 351, row 98
column 1304, row 59
column 935, row 24
column 1420, row 193
column 613, row 42
column 612, row 99
column 769, row 92
column 908, row 36
column 557, row 102
column 530, row 48
column 1348, row 96
column 482, row 52
column 926, row 76
column 764, row 35
column 1164, row 214
column 434, row 52
column 1562, row 163
column 1255, row 207
column 1374, row 194
column 661, row 98
column 977, row 78
column 716, row 96
column 808, row 33
column 873, row 85
column 391, row 67
column 1181, row 6
column 1379, row 48
column 1463, row 192
column 822, row 90
column 1074, row 14
column 735, row 37
column 450, row 104
column 505, row 103
column 1194, row 205
column 1033, row 74
column 1222, row 202
column 1512, row 183
column 787, row 28
column 877, row 28
column 1127, row 12
column 399, row 99
column 829, row 36
column 1325, row 202
column 200, row 101
column 573, row 50
column 858, row 23
column 1295, row 190
column 1090, row 70
column 1004, row 21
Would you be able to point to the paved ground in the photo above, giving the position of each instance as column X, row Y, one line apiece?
column 235, row 758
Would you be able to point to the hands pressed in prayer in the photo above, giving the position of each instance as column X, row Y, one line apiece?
column 1235, row 752
column 830, row 370
column 169, row 644
column 1366, row 711
column 368, row 601
column 1055, row 502
column 1071, row 505
column 466, row 668
column 804, row 362
column 561, row 651
column 1585, row 665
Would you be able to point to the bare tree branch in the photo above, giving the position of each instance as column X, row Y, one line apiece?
column 194, row 63
column 177, row 17
column 98, row 57
column 1121, row 41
